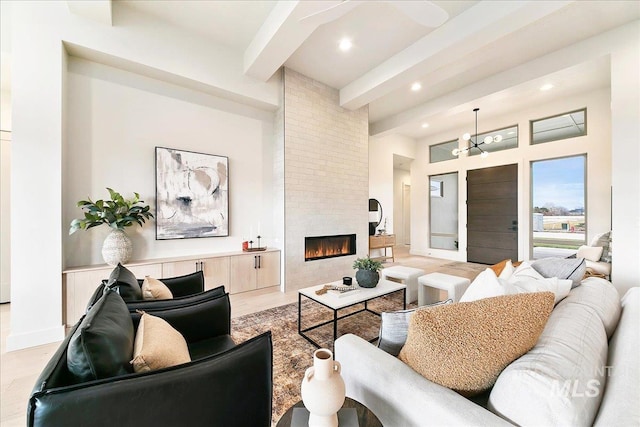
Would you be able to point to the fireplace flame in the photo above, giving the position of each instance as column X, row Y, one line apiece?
column 329, row 246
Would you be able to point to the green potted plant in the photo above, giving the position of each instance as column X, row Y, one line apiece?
column 367, row 275
column 118, row 213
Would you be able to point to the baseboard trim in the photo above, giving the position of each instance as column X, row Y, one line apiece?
column 35, row 338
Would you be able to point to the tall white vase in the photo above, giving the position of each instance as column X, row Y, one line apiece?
column 323, row 390
column 117, row 247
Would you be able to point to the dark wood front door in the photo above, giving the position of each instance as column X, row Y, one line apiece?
column 492, row 214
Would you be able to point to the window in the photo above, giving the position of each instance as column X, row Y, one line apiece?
column 442, row 152
column 509, row 140
column 562, row 126
column 558, row 222
column 443, row 211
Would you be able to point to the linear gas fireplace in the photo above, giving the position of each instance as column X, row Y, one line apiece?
column 321, row 247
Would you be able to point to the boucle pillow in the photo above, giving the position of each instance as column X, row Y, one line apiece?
column 394, row 325
column 465, row 346
column 562, row 268
column 158, row 345
column 125, row 283
column 591, row 253
column 102, row 345
column 155, row 289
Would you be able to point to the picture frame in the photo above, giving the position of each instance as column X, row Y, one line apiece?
column 192, row 194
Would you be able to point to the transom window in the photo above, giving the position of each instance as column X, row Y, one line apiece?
column 509, row 140
column 441, row 152
column 562, row 126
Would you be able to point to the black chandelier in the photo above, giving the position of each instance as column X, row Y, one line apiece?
column 473, row 143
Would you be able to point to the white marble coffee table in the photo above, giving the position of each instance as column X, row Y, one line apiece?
column 336, row 303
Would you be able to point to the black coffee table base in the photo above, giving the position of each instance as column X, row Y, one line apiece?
column 335, row 319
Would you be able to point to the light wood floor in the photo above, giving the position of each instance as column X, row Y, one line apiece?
column 20, row 369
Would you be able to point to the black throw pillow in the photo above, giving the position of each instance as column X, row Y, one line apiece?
column 125, row 283
column 102, row 346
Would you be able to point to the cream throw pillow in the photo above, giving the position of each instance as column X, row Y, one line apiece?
column 592, row 253
column 155, row 289
column 465, row 346
column 158, row 345
column 523, row 280
column 485, row 285
column 527, row 279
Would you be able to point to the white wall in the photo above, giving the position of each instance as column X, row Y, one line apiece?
column 381, row 171
column 5, row 190
column 116, row 118
column 597, row 145
column 625, row 124
column 40, row 32
column 400, row 178
column 5, row 214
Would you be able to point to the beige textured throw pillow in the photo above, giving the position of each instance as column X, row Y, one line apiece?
column 158, row 345
column 155, row 289
column 465, row 346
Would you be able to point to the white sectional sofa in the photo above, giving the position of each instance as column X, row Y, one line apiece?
column 584, row 370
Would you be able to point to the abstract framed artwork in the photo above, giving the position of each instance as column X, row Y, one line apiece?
column 192, row 194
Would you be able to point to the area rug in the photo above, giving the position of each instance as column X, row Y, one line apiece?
column 292, row 354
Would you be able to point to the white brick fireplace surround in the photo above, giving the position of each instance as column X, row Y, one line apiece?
column 326, row 177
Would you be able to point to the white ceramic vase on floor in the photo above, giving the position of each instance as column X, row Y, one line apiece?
column 323, row 390
column 117, row 247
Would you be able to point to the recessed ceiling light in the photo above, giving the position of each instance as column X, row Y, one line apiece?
column 416, row 86
column 345, row 45
column 425, row 125
column 546, row 86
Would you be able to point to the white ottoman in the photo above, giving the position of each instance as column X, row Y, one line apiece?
column 455, row 287
column 408, row 276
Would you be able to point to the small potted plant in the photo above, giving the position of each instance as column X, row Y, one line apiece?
column 117, row 213
column 367, row 275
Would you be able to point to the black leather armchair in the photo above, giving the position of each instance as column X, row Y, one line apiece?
column 224, row 385
column 186, row 289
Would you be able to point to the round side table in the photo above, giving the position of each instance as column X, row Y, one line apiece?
column 366, row 418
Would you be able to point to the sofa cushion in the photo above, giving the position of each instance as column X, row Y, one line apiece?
column 591, row 253
column 603, row 240
column 503, row 265
column 102, row 345
column 153, row 289
column 158, row 345
column 394, row 326
column 465, row 346
column 562, row 268
column 189, row 284
column 485, row 285
column 125, row 283
column 619, row 405
column 600, row 296
column 561, row 380
column 524, row 280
